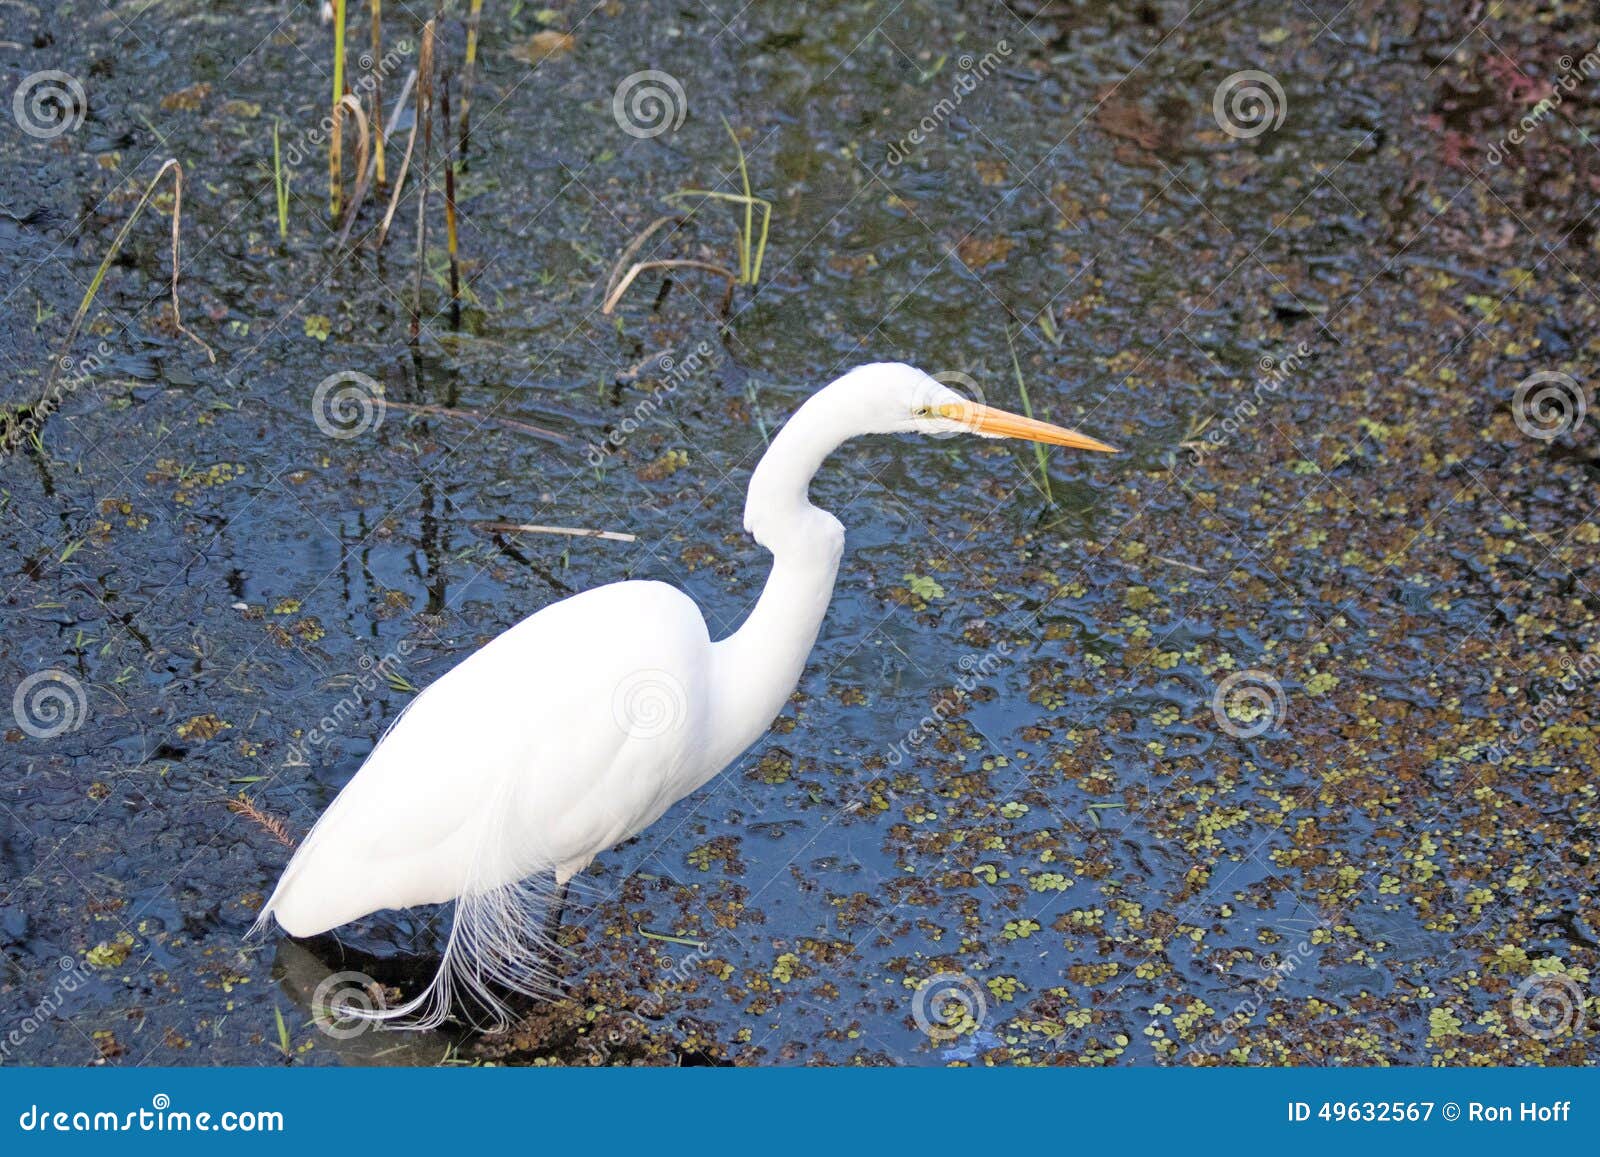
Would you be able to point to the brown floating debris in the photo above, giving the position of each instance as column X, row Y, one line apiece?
column 241, row 805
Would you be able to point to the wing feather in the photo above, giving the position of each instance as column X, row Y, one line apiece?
column 546, row 746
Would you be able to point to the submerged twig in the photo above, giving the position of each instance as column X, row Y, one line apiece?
column 687, row 942
column 570, row 531
column 474, row 415
column 674, row 263
column 1178, row 562
column 633, row 247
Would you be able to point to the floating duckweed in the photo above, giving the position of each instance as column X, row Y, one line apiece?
column 1004, row 987
column 110, row 953
column 1321, row 682
column 1049, row 881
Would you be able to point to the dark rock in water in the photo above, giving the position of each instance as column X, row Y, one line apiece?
column 175, row 373
column 13, row 926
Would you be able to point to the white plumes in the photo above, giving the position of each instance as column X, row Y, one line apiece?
column 498, row 945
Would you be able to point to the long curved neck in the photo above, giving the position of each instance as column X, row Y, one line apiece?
column 759, row 665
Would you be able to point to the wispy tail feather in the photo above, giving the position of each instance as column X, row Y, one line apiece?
column 497, row 946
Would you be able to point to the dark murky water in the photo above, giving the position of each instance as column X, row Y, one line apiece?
column 1333, row 314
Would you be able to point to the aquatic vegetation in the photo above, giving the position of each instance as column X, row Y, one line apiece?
column 750, row 245
column 27, row 423
column 280, row 185
column 1373, row 878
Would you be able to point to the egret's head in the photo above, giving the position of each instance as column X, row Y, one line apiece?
column 897, row 398
column 883, row 398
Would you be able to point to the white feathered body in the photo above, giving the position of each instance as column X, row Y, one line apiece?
column 584, row 723
column 571, row 732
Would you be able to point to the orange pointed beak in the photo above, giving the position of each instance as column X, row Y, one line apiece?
column 995, row 423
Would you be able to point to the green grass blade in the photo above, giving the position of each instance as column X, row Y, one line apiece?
column 279, row 185
column 1039, row 451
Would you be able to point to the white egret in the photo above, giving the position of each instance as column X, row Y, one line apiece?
column 578, row 727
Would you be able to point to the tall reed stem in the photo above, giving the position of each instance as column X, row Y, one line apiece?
column 336, row 142
column 377, row 91
column 469, row 74
column 450, row 199
column 424, row 177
